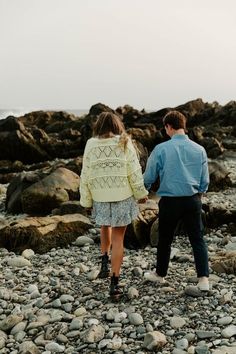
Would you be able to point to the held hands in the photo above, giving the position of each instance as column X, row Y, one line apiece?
column 88, row 211
column 143, row 200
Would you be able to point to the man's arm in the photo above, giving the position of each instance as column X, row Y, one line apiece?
column 152, row 170
column 204, row 182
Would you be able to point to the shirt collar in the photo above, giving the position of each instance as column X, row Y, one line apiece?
column 180, row 136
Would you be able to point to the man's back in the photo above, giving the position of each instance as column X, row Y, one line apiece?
column 181, row 165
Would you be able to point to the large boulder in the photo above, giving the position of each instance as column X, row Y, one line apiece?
column 47, row 194
column 138, row 232
column 43, row 233
column 39, row 192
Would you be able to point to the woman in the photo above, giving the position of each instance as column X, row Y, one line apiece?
column 111, row 181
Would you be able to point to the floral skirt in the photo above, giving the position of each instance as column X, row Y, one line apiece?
column 120, row 213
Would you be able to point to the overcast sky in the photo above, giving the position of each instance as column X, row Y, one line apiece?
column 71, row 54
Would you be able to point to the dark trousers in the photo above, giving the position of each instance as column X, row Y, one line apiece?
column 171, row 211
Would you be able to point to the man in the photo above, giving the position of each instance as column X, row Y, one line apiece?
column 182, row 167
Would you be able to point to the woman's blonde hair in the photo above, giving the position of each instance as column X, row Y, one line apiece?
column 109, row 122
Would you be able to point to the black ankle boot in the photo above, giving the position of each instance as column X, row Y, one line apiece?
column 104, row 271
column 114, row 287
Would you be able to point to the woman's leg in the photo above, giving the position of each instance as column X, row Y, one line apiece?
column 117, row 249
column 105, row 236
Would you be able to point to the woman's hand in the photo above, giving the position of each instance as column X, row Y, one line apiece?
column 143, row 200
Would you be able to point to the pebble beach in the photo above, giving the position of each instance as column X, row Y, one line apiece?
column 54, row 303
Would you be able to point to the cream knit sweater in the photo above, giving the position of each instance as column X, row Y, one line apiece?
column 109, row 172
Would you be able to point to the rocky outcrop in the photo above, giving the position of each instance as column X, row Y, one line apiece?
column 40, row 136
column 34, row 146
column 43, row 233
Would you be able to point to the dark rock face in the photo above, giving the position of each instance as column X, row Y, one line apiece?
column 20, row 145
column 41, row 136
column 33, row 146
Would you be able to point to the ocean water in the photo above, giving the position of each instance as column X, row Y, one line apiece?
column 4, row 113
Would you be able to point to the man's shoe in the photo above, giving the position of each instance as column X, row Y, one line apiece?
column 104, row 271
column 203, row 284
column 154, row 277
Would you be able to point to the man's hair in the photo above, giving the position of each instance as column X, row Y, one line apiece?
column 175, row 119
column 108, row 123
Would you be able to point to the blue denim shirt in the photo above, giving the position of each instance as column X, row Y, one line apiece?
column 181, row 165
